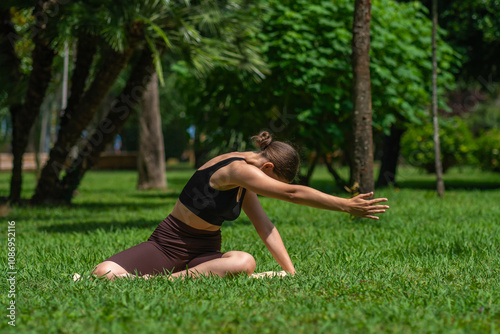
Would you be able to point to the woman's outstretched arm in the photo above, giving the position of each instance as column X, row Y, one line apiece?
column 253, row 179
column 267, row 231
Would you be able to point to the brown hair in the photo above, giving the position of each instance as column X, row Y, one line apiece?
column 284, row 157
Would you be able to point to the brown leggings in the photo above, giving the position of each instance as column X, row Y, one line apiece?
column 173, row 246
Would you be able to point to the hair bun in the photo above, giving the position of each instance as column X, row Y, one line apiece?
column 263, row 139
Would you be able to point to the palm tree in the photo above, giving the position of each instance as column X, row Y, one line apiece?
column 25, row 107
column 117, row 37
column 203, row 33
column 151, row 154
column 109, row 126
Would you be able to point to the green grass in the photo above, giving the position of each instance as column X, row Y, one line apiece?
column 428, row 265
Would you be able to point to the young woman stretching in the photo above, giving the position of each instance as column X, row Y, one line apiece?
column 188, row 241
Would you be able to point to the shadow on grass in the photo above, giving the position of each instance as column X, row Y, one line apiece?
column 457, row 178
column 104, row 226
column 453, row 181
column 95, row 207
column 120, row 225
column 148, row 200
column 454, row 184
column 173, row 195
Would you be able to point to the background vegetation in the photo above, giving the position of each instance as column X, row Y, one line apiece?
column 427, row 266
column 230, row 68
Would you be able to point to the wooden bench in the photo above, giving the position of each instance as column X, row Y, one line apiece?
column 29, row 161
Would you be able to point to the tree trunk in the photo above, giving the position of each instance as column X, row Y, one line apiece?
column 390, row 156
column 76, row 121
column 338, row 179
column 151, row 158
column 24, row 116
column 10, row 70
column 437, row 149
column 86, row 48
column 305, row 179
column 110, row 126
column 362, row 172
column 200, row 151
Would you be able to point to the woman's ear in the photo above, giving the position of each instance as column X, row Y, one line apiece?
column 268, row 166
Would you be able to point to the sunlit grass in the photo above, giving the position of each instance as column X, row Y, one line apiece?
column 428, row 265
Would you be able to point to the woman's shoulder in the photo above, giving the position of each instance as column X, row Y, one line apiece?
column 223, row 157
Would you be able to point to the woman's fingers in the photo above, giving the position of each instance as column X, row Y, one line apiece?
column 378, row 200
column 376, row 207
column 376, row 211
column 373, row 201
column 364, row 196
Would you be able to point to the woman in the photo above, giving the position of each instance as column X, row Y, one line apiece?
column 188, row 241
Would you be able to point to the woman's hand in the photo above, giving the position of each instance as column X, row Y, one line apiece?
column 360, row 206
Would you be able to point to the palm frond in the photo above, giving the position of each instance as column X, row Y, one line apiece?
column 156, row 60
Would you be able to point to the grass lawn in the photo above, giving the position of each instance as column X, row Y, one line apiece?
column 427, row 266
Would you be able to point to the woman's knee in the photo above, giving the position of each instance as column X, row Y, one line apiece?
column 243, row 262
column 109, row 269
column 250, row 264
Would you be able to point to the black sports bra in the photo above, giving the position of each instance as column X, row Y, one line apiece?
column 212, row 205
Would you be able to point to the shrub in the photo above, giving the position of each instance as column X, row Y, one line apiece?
column 488, row 150
column 457, row 145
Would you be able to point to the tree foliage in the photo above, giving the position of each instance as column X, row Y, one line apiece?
column 239, row 67
column 473, row 29
column 107, row 36
column 458, row 146
column 307, row 94
column 488, row 150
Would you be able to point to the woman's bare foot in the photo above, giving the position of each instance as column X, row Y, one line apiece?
column 269, row 274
